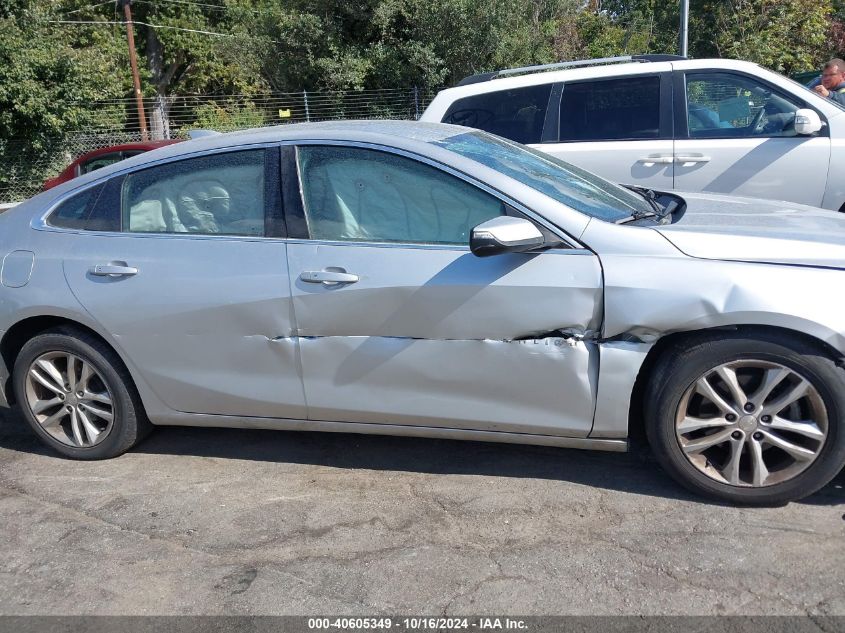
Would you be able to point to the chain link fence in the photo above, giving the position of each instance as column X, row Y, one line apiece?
column 176, row 116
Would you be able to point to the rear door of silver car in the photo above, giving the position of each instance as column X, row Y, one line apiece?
column 175, row 265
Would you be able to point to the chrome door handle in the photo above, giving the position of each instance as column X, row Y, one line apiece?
column 693, row 158
column 112, row 270
column 662, row 159
column 327, row 277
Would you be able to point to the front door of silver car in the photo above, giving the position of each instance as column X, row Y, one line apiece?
column 399, row 323
column 736, row 134
column 174, row 263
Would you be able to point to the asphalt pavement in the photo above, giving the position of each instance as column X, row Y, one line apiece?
column 217, row 521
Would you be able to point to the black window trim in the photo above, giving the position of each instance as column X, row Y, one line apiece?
column 680, row 102
column 298, row 226
column 665, row 118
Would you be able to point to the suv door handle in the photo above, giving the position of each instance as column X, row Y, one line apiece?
column 327, row 277
column 112, row 270
column 661, row 159
column 692, row 158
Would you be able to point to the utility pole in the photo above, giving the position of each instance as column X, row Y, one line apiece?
column 683, row 36
column 130, row 36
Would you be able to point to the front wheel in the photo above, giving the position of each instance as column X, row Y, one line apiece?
column 77, row 395
column 748, row 419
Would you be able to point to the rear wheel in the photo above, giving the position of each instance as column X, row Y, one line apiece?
column 755, row 420
column 77, row 396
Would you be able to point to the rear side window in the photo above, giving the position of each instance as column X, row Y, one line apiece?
column 611, row 110
column 516, row 114
column 73, row 212
column 218, row 194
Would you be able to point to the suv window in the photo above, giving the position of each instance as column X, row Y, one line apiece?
column 217, row 194
column 726, row 105
column 517, row 114
column 611, row 110
column 353, row 194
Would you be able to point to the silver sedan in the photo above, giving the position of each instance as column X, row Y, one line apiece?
column 427, row 280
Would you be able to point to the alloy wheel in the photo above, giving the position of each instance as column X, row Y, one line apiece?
column 69, row 399
column 751, row 423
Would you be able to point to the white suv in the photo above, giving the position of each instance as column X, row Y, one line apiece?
column 667, row 122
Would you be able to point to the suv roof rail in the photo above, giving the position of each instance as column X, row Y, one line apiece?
column 474, row 79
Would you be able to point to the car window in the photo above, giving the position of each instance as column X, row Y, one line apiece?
column 73, row 212
column 565, row 183
column 366, row 195
column 99, row 162
column 516, row 114
column 217, row 194
column 726, row 105
column 611, row 109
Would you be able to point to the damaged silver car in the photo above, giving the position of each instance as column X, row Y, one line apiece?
column 427, row 280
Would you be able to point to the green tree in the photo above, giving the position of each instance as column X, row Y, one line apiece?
column 50, row 76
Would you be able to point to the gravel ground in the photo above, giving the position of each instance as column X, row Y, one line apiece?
column 211, row 521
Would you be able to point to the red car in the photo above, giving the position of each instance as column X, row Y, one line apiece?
column 104, row 156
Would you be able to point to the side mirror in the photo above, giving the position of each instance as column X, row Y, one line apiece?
column 807, row 122
column 504, row 234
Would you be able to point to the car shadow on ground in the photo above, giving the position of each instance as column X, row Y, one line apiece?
column 634, row 472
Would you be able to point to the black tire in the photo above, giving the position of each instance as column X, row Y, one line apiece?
column 684, row 363
column 130, row 423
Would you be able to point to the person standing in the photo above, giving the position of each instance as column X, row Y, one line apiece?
column 832, row 83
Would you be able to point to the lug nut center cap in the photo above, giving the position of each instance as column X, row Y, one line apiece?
column 748, row 423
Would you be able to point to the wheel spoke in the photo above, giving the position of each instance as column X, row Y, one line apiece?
column 691, row 423
column 105, row 414
column 703, row 387
column 780, row 403
column 798, row 452
column 771, row 379
column 53, row 419
column 758, row 467
column 807, row 428
column 76, row 427
column 90, row 430
column 46, row 381
column 71, row 371
column 703, row 443
column 731, row 470
column 85, row 376
column 98, row 397
column 729, row 376
column 54, row 374
column 42, row 405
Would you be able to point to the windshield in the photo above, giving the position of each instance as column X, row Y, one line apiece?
column 570, row 185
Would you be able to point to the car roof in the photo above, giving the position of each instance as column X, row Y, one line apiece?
column 412, row 136
column 391, row 132
column 506, row 82
column 139, row 145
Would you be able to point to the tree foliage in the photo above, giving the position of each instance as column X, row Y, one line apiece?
column 55, row 75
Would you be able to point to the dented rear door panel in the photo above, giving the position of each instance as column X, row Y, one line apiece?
column 435, row 336
column 206, row 320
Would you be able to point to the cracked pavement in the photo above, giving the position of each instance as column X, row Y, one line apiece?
column 218, row 521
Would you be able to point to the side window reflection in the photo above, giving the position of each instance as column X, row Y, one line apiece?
column 365, row 195
column 218, row 194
